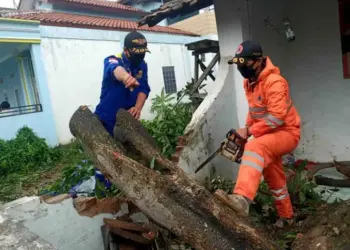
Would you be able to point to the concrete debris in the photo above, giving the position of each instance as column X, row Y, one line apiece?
column 14, row 235
column 124, row 210
column 60, row 222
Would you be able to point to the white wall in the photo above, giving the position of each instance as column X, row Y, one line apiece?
column 218, row 112
column 312, row 64
column 314, row 70
column 166, row 55
column 74, row 69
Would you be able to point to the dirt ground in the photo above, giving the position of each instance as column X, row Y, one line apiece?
column 329, row 229
column 20, row 185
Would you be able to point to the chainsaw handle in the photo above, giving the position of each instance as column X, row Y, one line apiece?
column 234, row 132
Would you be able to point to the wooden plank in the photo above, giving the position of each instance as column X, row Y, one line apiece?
column 131, row 236
column 205, row 73
column 113, row 223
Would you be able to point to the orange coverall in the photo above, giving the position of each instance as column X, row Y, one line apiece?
column 275, row 124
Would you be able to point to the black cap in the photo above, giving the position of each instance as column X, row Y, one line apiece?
column 136, row 42
column 246, row 51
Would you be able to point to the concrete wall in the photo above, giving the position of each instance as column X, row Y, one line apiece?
column 274, row 43
column 319, row 91
column 201, row 24
column 74, row 66
column 312, row 64
column 218, row 112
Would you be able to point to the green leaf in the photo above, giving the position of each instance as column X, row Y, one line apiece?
column 152, row 163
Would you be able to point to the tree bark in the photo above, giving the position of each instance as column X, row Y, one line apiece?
column 173, row 200
column 343, row 168
column 318, row 167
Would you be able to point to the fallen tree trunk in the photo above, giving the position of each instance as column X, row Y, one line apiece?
column 326, row 181
column 172, row 199
column 343, row 168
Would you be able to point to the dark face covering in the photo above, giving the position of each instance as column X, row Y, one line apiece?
column 247, row 71
column 136, row 59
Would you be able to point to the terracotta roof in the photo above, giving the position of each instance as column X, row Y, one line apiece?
column 134, row 1
column 90, row 22
column 100, row 4
column 174, row 8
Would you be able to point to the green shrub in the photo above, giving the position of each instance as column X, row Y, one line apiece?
column 169, row 122
column 24, row 153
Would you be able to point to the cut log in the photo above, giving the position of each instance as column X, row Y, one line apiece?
column 326, row 181
column 132, row 236
column 318, row 167
column 173, row 200
column 343, row 168
column 135, row 134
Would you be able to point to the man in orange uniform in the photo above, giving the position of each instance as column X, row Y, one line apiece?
column 275, row 124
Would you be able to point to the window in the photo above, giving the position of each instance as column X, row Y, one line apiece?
column 344, row 18
column 169, row 79
column 18, row 86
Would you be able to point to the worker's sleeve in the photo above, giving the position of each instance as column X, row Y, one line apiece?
column 110, row 64
column 278, row 105
column 144, row 86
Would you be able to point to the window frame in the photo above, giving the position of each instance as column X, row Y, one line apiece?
column 169, row 75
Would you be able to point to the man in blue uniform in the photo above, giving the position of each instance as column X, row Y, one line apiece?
column 125, row 81
column 124, row 85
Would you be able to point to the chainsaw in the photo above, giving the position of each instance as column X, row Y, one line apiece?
column 231, row 148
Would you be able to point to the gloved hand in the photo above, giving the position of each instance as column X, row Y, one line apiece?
column 242, row 132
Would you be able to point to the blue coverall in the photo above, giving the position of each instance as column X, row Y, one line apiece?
column 114, row 96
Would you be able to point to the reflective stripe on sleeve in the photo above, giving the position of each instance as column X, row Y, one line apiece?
column 257, row 109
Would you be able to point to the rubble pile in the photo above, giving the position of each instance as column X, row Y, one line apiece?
column 130, row 229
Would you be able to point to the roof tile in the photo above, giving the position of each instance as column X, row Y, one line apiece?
column 100, row 3
column 92, row 22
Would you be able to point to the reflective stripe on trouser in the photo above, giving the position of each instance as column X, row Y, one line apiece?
column 250, row 172
column 262, row 155
column 277, row 182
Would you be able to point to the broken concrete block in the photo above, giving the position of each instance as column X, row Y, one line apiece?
column 14, row 235
column 59, row 224
column 124, row 210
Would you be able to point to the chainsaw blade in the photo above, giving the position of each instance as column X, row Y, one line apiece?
column 208, row 160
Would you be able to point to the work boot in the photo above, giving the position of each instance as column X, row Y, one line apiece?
column 282, row 222
column 236, row 202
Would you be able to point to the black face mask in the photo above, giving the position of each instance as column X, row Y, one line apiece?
column 136, row 59
column 246, row 71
